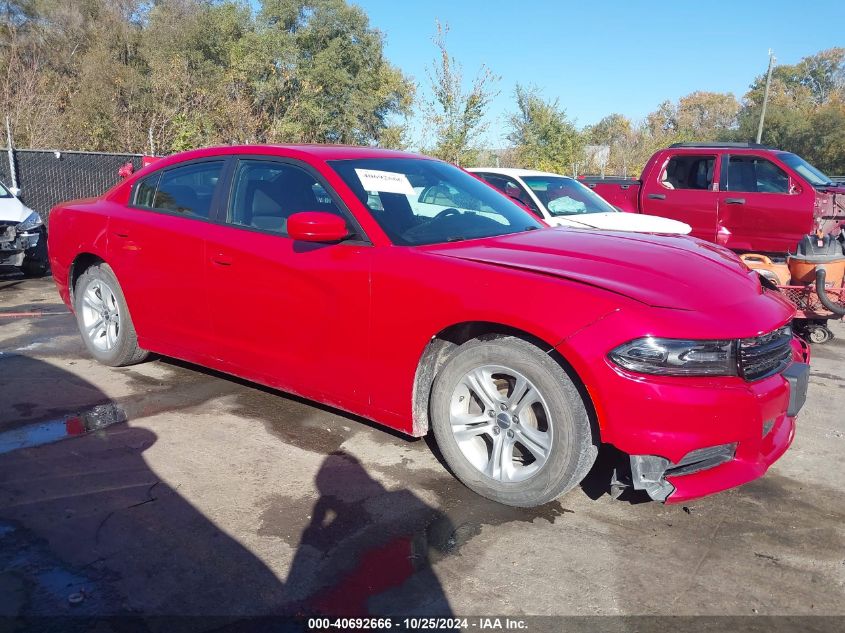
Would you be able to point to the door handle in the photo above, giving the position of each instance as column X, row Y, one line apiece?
column 222, row 260
column 734, row 200
column 657, row 196
column 121, row 233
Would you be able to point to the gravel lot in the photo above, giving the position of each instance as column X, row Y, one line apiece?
column 197, row 493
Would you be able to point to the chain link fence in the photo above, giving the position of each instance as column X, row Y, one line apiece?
column 47, row 177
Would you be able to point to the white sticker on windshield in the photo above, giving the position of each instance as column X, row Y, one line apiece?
column 384, row 181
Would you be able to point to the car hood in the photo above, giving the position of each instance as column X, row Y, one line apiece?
column 13, row 210
column 663, row 271
column 618, row 221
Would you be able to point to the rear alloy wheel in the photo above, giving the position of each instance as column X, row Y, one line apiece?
column 510, row 422
column 100, row 315
column 103, row 318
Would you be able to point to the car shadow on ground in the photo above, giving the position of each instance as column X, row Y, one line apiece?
column 87, row 528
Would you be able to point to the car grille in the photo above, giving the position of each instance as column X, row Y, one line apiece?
column 765, row 355
column 702, row 459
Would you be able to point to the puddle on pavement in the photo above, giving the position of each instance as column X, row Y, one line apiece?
column 37, row 434
column 54, row 332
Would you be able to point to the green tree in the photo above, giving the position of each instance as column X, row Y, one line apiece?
column 327, row 79
column 823, row 74
column 622, row 137
column 98, row 74
column 822, row 140
column 542, row 135
column 455, row 116
column 706, row 116
column 192, row 95
column 804, row 109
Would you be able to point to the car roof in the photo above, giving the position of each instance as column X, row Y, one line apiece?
column 320, row 152
column 339, row 152
column 512, row 171
column 712, row 149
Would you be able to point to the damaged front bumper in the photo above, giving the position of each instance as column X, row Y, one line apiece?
column 15, row 246
column 716, row 468
column 712, row 469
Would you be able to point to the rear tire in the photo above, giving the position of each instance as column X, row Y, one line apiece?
column 103, row 318
column 510, row 423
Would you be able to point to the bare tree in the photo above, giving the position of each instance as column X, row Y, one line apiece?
column 453, row 115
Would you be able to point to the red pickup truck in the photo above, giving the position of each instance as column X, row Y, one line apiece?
column 744, row 196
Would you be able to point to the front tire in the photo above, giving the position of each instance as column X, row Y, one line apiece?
column 510, row 423
column 36, row 261
column 103, row 318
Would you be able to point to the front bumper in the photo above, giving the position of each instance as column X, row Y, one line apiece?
column 15, row 246
column 716, row 468
column 691, row 437
column 749, row 461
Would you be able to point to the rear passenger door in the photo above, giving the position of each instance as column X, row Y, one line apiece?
column 760, row 206
column 291, row 314
column 156, row 248
column 683, row 190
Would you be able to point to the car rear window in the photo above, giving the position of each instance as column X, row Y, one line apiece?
column 186, row 190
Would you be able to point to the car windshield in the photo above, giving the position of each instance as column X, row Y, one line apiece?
column 4, row 193
column 566, row 196
column 418, row 201
column 813, row 175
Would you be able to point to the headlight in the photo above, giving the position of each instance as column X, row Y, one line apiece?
column 675, row 357
column 32, row 221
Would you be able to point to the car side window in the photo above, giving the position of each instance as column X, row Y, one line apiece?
column 186, row 190
column 145, row 191
column 511, row 189
column 755, row 174
column 688, row 172
column 266, row 193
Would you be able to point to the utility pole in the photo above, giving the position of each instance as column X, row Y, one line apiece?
column 766, row 95
column 12, row 171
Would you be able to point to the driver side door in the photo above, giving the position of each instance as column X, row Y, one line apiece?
column 291, row 314
column 760, row 207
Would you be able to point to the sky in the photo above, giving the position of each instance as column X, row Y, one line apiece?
column 607, row 56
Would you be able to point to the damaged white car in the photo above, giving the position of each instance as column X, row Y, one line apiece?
column 23, row 236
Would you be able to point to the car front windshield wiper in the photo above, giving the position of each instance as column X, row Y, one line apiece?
column 455, row 238
column 568, row 218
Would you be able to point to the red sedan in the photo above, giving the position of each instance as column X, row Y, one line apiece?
column 403, row 289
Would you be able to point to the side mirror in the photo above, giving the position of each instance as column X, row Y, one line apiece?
column 317, row 226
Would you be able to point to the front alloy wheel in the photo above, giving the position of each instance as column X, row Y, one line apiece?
column 510, row 422
column 501, row 423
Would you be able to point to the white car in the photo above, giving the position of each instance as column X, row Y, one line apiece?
column 23, row 237
column 562, row 201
